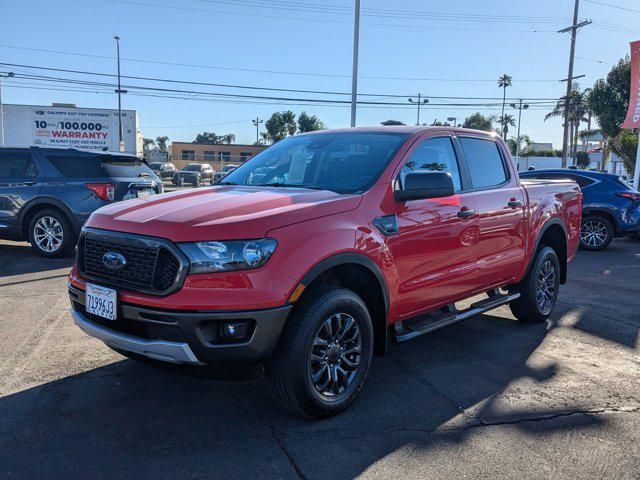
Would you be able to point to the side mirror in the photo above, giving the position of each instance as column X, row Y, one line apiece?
column 420, row 185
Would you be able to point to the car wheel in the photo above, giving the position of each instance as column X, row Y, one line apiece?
column 51, row 234
column 539, row 289
column 324, row 355
column 596, row 232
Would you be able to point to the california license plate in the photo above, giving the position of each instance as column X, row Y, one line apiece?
column 101, row 301
column 146, row 192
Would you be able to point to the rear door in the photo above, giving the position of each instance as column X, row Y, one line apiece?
column 500, row 205
column 436, row 246
column 20, row 181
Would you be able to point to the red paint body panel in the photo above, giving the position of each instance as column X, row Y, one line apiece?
column 436, row 258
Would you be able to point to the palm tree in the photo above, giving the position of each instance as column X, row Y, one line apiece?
column 578, row 111
column 503, row 82
column 506, row 121
column 228, row 138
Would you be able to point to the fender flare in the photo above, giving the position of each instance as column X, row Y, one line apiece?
column 548, row 224
column 45, row 201
column 346, row 258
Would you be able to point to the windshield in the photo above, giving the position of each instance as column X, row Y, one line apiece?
column 155, row 166
column 191, row 168
column 344, row 162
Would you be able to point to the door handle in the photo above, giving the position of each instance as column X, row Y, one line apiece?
column 29, row 183
column 466, row 213
column 514, row 203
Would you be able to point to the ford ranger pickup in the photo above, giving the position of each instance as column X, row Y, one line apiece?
column 321, row 251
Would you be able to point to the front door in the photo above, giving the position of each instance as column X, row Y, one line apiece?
column 435, row 248
column 19, row 183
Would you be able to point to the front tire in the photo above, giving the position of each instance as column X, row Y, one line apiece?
column 324, row 355
column 596, row 233
column 51, row 234
column 539, row 289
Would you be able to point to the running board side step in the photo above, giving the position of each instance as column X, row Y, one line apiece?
column 410, row 329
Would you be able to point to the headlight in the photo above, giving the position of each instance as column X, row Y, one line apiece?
column 208, row 257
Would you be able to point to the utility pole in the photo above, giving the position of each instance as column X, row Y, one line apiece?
column 567, row 100
column 453, row 119
column 7, row 75
column 520, row 107
column 119, row 91
column 256, row 123
column 354, row 74
column 418, row 102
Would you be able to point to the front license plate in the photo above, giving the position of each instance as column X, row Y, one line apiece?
column 101, row 301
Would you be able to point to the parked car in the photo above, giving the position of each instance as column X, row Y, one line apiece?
column 611, row 207
column 351, row 238
column 196, row 174
column 163, row 170
column 226, row 170
column 46, row 194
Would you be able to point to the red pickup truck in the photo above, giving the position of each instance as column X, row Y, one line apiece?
column 315, row 254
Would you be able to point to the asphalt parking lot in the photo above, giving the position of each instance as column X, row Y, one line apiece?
column 487, row 398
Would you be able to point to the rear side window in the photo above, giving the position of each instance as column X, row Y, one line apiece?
column 16, row 165
column 434, row 155
column 485, row 162
column 582, row 181
column 98, row 166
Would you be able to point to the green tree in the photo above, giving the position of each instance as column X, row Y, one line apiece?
column 504, row 81
column 229, row 138
column 147, row 143
column 478, row 121
column 505, row 122
column 308, row 123
column 281, row 125
column 582, row 159
column 161, row 142
column 609, row 100
column 209, row 138
column 389, row 123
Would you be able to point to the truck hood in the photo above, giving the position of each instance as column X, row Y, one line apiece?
column 220, row 212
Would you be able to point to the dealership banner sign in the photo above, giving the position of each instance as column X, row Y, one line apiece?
column 633, row 113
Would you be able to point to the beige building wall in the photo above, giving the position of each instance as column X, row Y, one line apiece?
column 219, row 155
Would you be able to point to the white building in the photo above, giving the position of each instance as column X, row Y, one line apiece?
column 65, row 125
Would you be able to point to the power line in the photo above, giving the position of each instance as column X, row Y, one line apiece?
column 612, row 6
column 110, row 75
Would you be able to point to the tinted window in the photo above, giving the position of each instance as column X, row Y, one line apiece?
column 582, row 181
column 155, row 166
column 434, row 155
column 97, row 166
column 192, row 168
column 17, row 165
column 485, row 162
column 344, row 162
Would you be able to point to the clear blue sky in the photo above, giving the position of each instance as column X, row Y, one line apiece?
column 424, row 51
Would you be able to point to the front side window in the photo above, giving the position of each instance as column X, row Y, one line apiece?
column 485, row 162
column 343, row 162
column 433, row 155
column 17, row 165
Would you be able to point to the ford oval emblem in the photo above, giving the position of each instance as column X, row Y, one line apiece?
column 114, row 260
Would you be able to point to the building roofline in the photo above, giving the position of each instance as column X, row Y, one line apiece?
column 219, row 144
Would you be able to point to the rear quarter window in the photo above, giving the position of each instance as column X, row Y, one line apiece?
column 485, row 162
column 77, row 166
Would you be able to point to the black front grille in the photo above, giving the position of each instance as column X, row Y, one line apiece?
column 151, row 266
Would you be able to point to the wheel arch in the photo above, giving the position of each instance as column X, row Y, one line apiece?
column 361, row 274
column 553, row 234
column 39, row 204
column 603, row 212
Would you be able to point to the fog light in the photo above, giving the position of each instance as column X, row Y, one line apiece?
column 234, row 331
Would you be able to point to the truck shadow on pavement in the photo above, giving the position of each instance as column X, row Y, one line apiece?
column 132, row 420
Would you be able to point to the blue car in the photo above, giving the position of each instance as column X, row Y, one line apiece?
column 610, row 206
column 46, row 194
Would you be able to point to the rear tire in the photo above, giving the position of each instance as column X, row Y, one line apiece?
column 596, row 233
column 51, row 234
column 539, row 289
column 324, row 354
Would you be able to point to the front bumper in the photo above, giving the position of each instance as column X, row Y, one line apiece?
column 186, row 337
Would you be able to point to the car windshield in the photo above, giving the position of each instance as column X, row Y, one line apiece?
column 191, row 168
column 155, row 166
column 343, row 162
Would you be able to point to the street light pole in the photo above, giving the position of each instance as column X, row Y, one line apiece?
column 419, row 102
column 520, row 107
column 119, row 91
column 354, row 74
column 452, row 119
column 257, row 123
column 8, row 75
